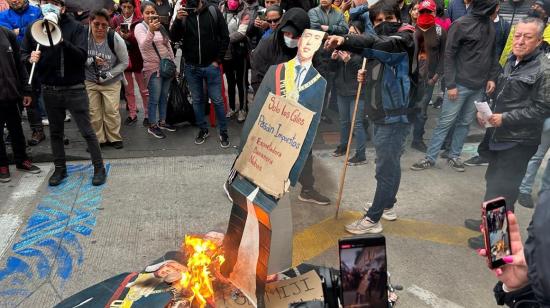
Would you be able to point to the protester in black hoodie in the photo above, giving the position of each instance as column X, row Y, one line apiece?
column 13, row 78
column 471, row 69
column 60, row 70
column 279, row 47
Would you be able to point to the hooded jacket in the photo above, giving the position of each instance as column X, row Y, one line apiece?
column 273, row 50
column 469, row 53
column 13, row 75
column 205, row 37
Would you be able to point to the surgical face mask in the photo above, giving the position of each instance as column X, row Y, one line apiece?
column 49, row 8
column 290, row 42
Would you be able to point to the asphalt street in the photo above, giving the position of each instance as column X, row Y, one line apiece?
column 55, row 242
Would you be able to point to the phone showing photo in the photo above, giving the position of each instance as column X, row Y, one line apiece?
column 497, row 238
column 364, row 271
column 124, row 27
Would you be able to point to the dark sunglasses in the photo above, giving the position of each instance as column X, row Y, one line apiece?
column 273, row 21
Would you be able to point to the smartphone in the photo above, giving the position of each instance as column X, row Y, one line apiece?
column 154, row 18
column 261, row 14
column 497, row 238
column 164, row 19
column 124, row 27
column 364, row 271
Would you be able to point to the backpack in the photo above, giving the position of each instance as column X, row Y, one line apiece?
column 110, row 38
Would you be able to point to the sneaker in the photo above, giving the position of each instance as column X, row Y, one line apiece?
column 312, row 196
column 5, row 174
column 224, row 140
column 388, row 214
column 130, row 121
column 473, row 224
column 438, row 102
column 100, row 176
column 59, row 174
column 201, row 137
column 67, row 118
column 37, row 137
column 444, row 154
column 356, row 161
column 476, row 161
column 146, row 122
column 242, row 116
column 456, row 164
column 45, row 122
column 117, row 145
column 8, row 139
column 526, row 200
column 340, row 151
column 166, row 126
column 363, row 226
column 230, row 113
column 422, row 165
column 156, row 132
column 419, row 146
column 27, row 166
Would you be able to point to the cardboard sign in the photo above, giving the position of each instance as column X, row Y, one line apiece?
column 307, row 287
column 274, row 144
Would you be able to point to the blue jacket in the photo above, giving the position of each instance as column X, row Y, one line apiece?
column 12, row 20
column 457, row 9
column 361, row 13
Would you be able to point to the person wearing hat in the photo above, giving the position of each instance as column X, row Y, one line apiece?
column 429, row 40
column 60, row 69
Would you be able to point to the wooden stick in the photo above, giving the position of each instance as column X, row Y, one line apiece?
column 33, row 65
column 343, row 175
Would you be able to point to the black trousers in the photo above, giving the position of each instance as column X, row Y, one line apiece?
column 235, row 72
column 506, row 171
column 306, row 178
column 10, row 116
column 57, row 101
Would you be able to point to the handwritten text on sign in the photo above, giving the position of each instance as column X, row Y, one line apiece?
column 274, row 144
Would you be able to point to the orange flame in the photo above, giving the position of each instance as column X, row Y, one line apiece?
column 204, row 256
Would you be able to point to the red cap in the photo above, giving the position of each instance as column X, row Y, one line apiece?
column 426, row 5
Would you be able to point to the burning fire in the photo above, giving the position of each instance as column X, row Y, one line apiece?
column 204, row 260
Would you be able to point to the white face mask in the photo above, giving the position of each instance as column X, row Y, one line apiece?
column 290, row 42
column 49, row 8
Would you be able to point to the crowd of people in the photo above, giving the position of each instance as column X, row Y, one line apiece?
column 422, row 53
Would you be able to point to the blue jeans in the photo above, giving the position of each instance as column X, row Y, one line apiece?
column 526, row 186
column 421, row 115
column 196, row 75
column 388, row 142
column 346, row 104
column 459, row 113
column 158, row 97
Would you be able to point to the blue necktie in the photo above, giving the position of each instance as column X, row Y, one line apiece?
column 299, row 70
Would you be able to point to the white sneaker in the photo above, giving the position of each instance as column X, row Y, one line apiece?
column 242, row 116
column 230, row 113
column 45, row 122
column 67, row 118
column 388, row 214
column 363, row 226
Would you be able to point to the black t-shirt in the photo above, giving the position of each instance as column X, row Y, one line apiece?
column 164, row 10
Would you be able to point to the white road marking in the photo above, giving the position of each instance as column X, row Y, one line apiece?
column 431, row 299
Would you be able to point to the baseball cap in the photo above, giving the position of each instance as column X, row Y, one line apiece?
column 545, row 5
column 428, row 5
column 290, row 28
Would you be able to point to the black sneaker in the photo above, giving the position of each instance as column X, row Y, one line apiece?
column 340, row 151
column 167, row 127
column 59, row 174
column 438, row 102
column 476, row 242
column 456, row 164
column 130, row 121
column 37, row 137
column 526, row 200
column 312, row 196
column 27, row 166
column 146, row 122
column 201, row 137
column 422, row 164
column 100, row 176
column 356, row 161
column 419, row 146
column 473, row 224
column 156, row 132
column 5, row 174
column 476, row 161
column 117, row 145
column 224, row 140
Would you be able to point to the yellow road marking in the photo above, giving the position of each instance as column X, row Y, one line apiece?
column 319, row 237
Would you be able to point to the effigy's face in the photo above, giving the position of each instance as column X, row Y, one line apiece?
column 309, row 43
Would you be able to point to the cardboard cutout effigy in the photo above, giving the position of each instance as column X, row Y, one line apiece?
column 276, row 140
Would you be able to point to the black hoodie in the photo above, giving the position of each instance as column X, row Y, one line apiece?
column 272, row 50
column 469, row 53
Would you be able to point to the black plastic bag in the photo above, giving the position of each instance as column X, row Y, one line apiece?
column 179, row 109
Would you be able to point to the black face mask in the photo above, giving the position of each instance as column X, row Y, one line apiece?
column 537, row 14
column 387, row 28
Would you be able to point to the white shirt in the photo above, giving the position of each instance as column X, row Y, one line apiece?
column 302, row 75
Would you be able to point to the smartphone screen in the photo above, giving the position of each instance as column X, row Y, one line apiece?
column 124, row 27
column 364, row 272
column 497, row 239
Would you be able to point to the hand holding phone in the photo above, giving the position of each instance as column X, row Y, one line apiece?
column 497, row 237
column 124, row 28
